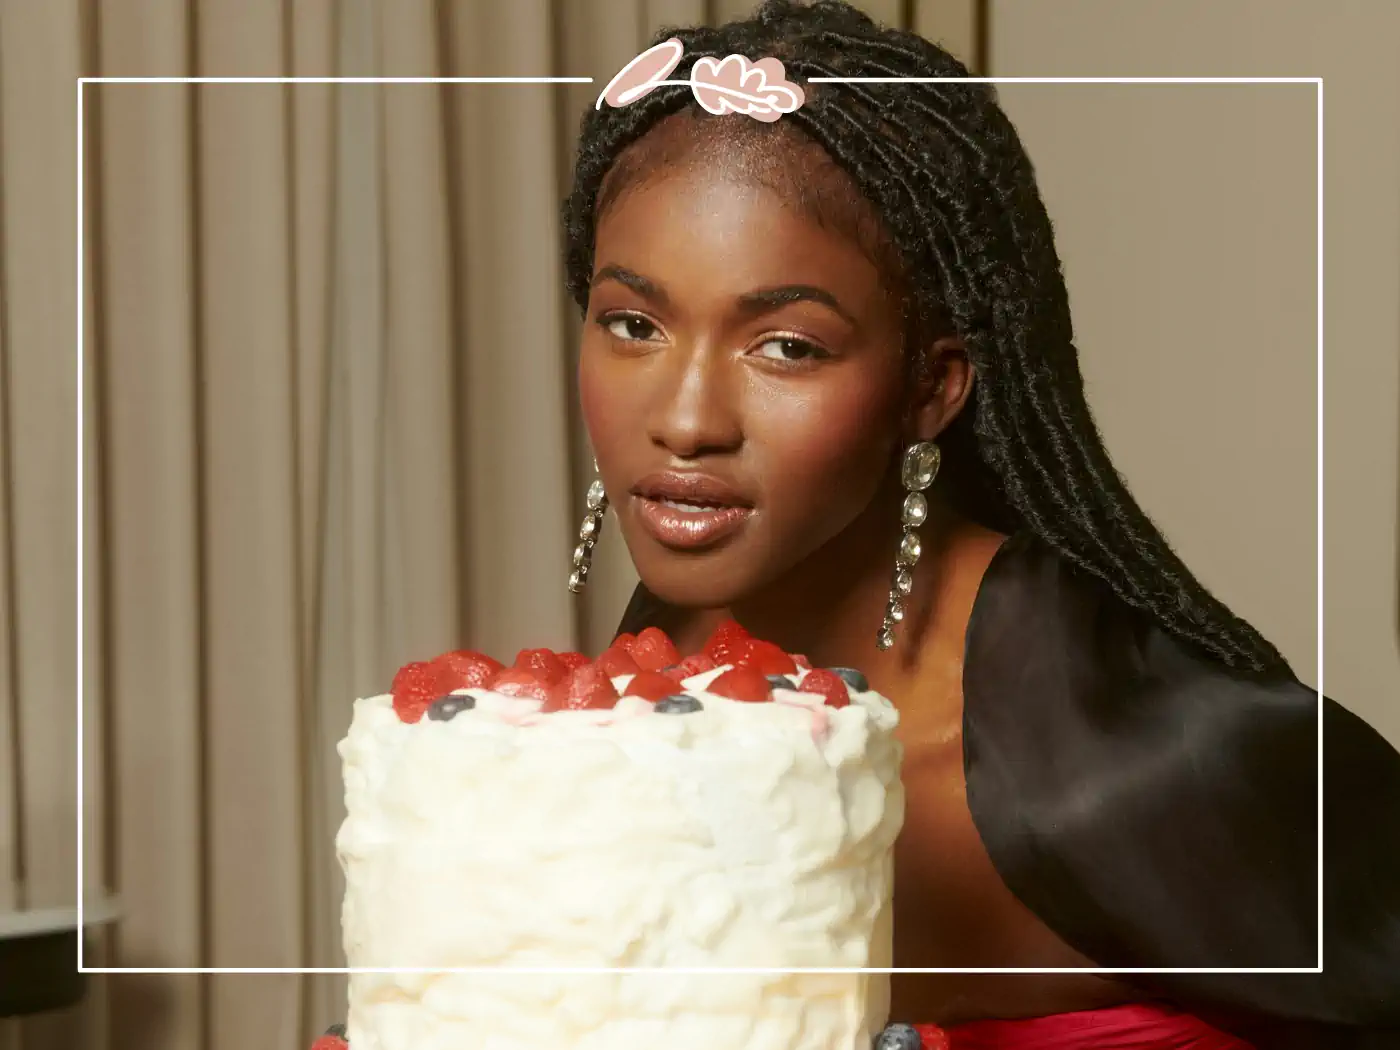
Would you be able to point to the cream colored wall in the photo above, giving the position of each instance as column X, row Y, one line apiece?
column 1186, row 219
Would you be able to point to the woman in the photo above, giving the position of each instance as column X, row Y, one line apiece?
column 1105, row 767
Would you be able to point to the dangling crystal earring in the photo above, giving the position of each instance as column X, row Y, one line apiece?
column 920, row 467
column 588, row 533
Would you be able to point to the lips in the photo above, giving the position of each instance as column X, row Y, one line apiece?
column 690, row 511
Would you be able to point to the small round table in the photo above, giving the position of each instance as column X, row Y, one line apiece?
column 39, row 956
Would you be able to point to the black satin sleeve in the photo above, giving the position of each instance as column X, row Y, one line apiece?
column 1157, row 810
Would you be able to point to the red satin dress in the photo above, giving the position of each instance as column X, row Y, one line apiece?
column 1132, row 1026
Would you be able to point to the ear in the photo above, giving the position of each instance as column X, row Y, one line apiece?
column 943, row 380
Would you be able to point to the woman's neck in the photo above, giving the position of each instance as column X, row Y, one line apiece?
column 830, row 606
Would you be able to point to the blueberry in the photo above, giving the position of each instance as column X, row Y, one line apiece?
column 678, row 704
column 337, row 1030
column 446, row 708
column 899, row 1036
column 781, row 681
column 853, row 678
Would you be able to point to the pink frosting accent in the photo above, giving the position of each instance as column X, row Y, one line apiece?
column 821, row 717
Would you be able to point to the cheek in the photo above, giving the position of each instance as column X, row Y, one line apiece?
column 601, row 400
column 831, row 446
column 589, row 395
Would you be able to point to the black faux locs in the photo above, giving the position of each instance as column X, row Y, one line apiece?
column 957, row 195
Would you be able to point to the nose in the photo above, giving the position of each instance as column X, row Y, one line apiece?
column 694, row 410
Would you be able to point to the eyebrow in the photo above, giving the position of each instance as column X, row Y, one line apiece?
column 772, row 298
column 642, row 286
column 756, row 302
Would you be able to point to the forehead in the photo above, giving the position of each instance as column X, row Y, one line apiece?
column 753, row 203
column 738, row 149
column 702, row 232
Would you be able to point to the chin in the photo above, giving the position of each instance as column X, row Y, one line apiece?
column 693, row 583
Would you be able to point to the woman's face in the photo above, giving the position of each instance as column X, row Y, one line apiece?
column 742, row 381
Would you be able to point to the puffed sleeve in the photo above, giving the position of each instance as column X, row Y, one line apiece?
column 1157, row 810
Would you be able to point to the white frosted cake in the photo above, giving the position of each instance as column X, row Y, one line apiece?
column 733, row 810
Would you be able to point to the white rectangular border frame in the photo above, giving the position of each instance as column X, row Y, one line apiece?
column 83, row 81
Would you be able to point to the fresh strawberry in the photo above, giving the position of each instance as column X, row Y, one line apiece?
column 801, row 661
column 650, row 685
column 768, row 658
column 542, row 663
column 573, row 661
column 624, row 641
column 616, row 661
column 591, row 690
column 697, row 663
column 330, row 1042
column 416, row 686
column 653, row 650
column 586, row 689
column 828, row 685
column 516, row 681
column 933, row 1037
column 728, row 642
column 467, row 669
column 742, row 683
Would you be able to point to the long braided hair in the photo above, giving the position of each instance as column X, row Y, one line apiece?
column 956, row 192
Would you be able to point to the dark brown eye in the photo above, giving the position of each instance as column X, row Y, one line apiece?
column 630, row 327
column 787, row 348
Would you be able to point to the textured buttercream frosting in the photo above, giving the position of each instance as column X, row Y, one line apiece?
column 739, row 835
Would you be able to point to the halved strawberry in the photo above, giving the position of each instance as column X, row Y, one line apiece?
column 330, row 1042
column 653, row 650
column 624, row 641
column 542, row 663
column 650, row 685
column 615, row 661
column 467, row 669
column 742, row 683
column 828, row 685
column 696, row 663
column 416, row 686
column 768, row 658
column 516, row 681
column 801, row 661
column 728, row 642
column 587, row 688
column 573, row 661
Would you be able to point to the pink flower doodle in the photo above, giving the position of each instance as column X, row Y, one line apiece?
column 730, row 85
column 734, row 85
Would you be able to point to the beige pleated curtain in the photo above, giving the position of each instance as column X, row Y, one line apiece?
column 328, row 427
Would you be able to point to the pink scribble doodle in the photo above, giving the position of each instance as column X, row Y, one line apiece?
column 732, row 84
column 643, row 74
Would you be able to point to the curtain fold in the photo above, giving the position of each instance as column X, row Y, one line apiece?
column 251, row 749
column 329, row 427
column 142, row 246
column 40, row 54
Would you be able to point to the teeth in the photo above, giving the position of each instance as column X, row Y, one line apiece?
column 689, row 508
